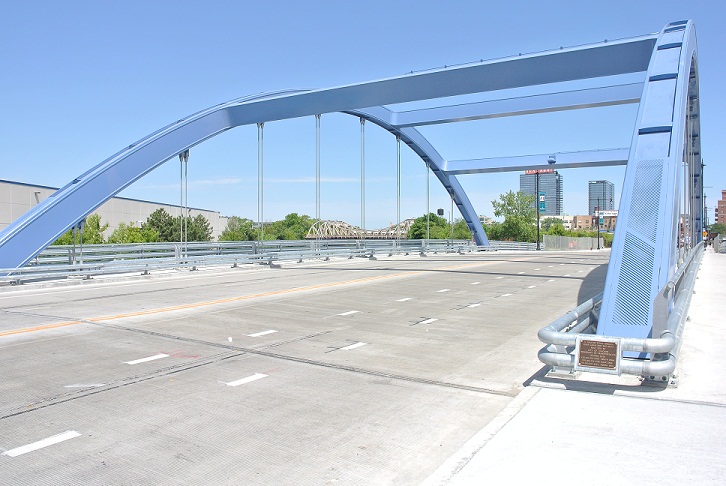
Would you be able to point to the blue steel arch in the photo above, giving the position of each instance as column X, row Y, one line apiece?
column 434, row 161
column 645, row 251
column 652, row 231
column 35, row 230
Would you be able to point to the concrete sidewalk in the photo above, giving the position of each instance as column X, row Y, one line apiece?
column 617, row 433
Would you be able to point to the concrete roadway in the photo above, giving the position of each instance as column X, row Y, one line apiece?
column 340, row 372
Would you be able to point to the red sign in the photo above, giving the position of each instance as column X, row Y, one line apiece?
column 539, row 171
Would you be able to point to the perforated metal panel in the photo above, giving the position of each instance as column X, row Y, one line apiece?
column 647, row 241
column 633, row 288
column 646, row 199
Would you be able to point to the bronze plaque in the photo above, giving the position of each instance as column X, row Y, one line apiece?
column 598, row 354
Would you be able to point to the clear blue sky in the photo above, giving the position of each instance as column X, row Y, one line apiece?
column 82, row 79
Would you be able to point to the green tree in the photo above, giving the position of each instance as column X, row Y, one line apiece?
column 557, row 229
column 607, row 239
column 461, row 230
column 439, row 228
column 92, row 232
column 169, row 227
column 494, row 231
column 547, row 223
column 293, row 227
column 719, row 228
column 129, row 233
column 515, row 204
column 164, row 224
column 519, row 216
column 198, row 229
column 238, row 229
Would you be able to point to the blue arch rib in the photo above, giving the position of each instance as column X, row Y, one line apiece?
column 39, row 227
column 418, row 143
column 645, row 247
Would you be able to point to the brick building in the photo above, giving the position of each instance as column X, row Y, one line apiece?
column 720, row 216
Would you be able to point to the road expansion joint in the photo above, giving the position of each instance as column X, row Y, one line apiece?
column 324, row 364
column 60, row 398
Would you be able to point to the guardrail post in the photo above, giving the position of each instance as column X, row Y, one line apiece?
column 661, row 309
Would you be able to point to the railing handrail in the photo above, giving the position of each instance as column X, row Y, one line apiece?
column 61, row 261
column 104, row 259
column 565, row 331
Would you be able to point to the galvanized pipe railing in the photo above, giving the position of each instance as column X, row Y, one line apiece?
column 562, row 334
column 107, row 259
column 57, row 262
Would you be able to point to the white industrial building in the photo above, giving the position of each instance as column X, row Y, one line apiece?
column 16, row 198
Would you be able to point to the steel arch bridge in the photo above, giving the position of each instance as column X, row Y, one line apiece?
column 663, row 160
column 334, row 230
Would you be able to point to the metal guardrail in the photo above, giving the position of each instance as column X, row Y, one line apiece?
column 67, row 254
column 605, row 354
column 511, row 245
column 66, row 261
column 60, row 262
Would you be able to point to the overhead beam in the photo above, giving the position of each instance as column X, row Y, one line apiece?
column 525, row 105
column 563, row 160
column 585, row 62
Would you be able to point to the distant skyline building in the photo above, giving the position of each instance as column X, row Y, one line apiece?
column 600, row 194
column 551, row 185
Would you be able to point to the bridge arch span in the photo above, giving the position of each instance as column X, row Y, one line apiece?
column 661, row 207
column 39, row 227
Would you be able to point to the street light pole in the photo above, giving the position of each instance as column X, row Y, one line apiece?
column 451, row 219
column 597, row 218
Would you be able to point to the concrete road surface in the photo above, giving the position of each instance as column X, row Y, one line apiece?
column 339, row 372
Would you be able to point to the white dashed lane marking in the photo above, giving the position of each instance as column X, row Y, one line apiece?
column 18, row 451
column 148, row 358
column 248, row 379
column 349, row 313
column 262, row 333
column 353, row 346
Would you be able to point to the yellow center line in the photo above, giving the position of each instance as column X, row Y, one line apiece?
column 228, row 300
column 39, row 328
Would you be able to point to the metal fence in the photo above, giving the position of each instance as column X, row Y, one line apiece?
column 553, row 242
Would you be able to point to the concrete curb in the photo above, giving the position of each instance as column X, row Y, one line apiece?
column 446, row 471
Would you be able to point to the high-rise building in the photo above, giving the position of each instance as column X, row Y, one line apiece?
column 551, row 185
column 600, row 194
